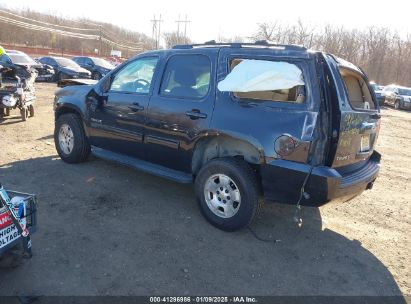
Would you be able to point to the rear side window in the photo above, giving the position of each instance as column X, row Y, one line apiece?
column 276, row 81
column 357, row 89
column 186, row 76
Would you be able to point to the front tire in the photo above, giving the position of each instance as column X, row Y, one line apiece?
column 228, row 193
column 24, row 112
column 31, row 110
column 96, row 76
column 70, row 139
column 397, row 105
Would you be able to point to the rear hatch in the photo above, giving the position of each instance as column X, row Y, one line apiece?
column 356, row 131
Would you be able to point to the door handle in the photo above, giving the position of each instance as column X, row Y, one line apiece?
column 135, row 107
column 196, row 114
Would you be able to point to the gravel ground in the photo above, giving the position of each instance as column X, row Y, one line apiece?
column 105, row 229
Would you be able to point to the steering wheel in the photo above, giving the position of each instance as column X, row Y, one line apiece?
column 140, row 84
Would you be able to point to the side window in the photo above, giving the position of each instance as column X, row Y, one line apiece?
column 357, row 90
column 135, row 77
column 87, row 61
column 276, row 81
column 186, row 76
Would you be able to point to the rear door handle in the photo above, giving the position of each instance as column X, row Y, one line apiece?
column 196, row 114
column 136, row 107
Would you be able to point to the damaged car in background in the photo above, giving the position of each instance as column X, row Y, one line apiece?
column 17, row 77
column 44, row 72
column 246, row 123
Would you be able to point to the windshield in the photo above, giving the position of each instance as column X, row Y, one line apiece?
column 21, row 59
column 103, row 63
column 66, row 62
column 406, row 92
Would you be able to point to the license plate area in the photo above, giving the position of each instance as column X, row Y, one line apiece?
column 365, row 143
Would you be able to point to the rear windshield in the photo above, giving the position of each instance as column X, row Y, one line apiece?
column 358, row 92
column 66, row 62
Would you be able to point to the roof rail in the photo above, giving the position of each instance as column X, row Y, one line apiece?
column 263, row 43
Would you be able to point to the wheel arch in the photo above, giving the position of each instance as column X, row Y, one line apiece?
column 226, row 145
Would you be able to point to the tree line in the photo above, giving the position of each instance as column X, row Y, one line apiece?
column 382, row 53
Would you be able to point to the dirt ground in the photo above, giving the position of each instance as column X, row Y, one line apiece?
column 105, row 229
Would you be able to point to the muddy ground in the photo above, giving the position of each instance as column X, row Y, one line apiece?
column 107, row 229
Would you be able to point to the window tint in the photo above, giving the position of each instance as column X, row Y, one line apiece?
column 285, row 74
column 357, row 90
column 187, row 76
column 135, row 77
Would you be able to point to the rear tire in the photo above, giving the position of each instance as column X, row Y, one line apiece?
column 228, row 193
column 70, row 139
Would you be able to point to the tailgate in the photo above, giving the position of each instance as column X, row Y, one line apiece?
column 359, row 118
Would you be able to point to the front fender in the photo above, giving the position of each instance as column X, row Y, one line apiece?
column 72, row 98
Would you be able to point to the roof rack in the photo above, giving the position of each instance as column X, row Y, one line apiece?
column 261, row 43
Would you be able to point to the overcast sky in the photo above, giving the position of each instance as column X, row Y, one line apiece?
column 211, row 19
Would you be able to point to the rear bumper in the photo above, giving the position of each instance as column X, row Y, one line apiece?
column 282, row 181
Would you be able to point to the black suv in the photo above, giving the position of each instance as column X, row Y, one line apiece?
column 246, row 123
column 98, row 67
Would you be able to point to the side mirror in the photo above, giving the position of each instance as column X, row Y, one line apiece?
column 105, row 84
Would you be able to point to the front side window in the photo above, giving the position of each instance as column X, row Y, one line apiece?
column 135, row 77
column 186, row 76
column 277, row 81
column 357, row 89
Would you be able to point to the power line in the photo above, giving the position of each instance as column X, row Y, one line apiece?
column 49, row 24
column 30, row 26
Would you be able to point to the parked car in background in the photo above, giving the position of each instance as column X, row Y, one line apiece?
column 244, row 122
column 65, row 68
column 45, row 72
column 97, row 66
column 397, row 96
column 378, row 90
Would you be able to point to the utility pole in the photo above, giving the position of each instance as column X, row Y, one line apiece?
column 156, row 34
column 185, row 28
column 101, row 42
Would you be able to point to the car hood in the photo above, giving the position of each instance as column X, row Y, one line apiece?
column 75, row 69
column 76, row 82
column 74, row 90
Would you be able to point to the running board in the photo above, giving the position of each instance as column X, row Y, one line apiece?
column 142, row 165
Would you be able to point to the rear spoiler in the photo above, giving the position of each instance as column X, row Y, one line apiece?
column 71, row 82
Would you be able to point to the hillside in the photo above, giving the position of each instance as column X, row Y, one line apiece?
column 45, row 31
